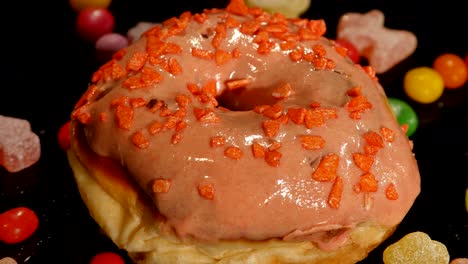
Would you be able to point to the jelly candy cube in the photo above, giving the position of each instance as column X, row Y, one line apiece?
column 416, row 248
column 19, row 146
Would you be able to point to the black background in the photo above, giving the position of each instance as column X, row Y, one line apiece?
column 45, row 68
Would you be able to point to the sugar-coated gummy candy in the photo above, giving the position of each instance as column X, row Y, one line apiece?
column 423, row 84
column 289, row 8
column 17, row 224
column 107, row 258
column 416, row 248
column 135, row 32
column 79, row 5
column 8, row 260
column 459, row 261
column 19, row 146
column 381, row 46
column 108, row 44
column 92, row 23
column 452, row 68
column 405, row 114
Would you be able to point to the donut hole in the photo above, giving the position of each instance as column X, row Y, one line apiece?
column 245, row 99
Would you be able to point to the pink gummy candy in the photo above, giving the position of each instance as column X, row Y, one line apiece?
column 383, row 47
column 19, row 146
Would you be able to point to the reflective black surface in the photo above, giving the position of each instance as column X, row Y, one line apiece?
column 45, row 68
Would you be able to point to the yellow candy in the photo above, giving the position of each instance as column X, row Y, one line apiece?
column 423, row 84
column 289, row 8
column 79, row 5
column 416, row 248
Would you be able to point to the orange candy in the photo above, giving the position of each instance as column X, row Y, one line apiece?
column 453, row 70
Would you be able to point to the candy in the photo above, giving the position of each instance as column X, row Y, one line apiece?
column 423, row 84
column 452, row 68
column 8, row 260
column 108, row 44
column 92, row 23
column 351, row 50
column 404, row 114
column 416, row 248
column 383, row 47
column 289, row 8
column 79, row 5
column 135, row 32
column 19, row 146
column 63, row 136
column 107, row 258
column 459, row 261
column 17, row 225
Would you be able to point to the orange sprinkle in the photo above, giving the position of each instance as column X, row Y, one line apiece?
column 355, row 91
column 233, row 152
column 136, row 61
column 391, row 192
column 217, row 141
column 183, row 100
column 274, row 145
column 374, row 139
column 297, row 115
column 206, row 115
column 405, row 128
column 222, row 57
column 155, row 127
column 137, row 102
column 288, row 45
column 210, row 87
column 371, row 150
column 236, row 84
column 318, row 27
column 176, row 137
column 334, row 198
column 313, row 118
column 90, row 92
column 307, row 34
column 202, row 54
column 121, row 100
column 231, row 22
column 147, row 77
column 200, row 18
column 206, row 191
column 193, row 88
column 274, row 111
column 357, row 105
column 273, row 158
column 161, row 185
column 283, row 91
column 220, row 35
column 326, row 169
column 258, row 150
column 311, row 142
column 250, row 27
column 119, row 54
column 103, row 116
column 180, row 126
column 388, row 134
column 124, row 115
column 363, row 161
column 370, row 71
column 261, row 36
column 265, row 47
column 271, row 128
column 368, row 183
column 296, row 55
column 237, row 7
column 174, row 66
column 259, row 109
column 140, row 140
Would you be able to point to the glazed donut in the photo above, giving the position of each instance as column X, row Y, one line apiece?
column 238, row 136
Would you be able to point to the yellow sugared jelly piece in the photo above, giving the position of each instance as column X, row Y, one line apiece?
column 416, row 248
column 289, row 8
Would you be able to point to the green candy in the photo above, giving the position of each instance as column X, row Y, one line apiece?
column 404, row 114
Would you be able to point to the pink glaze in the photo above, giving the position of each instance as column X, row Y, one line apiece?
column 252, row 199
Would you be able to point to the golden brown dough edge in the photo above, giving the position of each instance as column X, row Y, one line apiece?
column 127, row 217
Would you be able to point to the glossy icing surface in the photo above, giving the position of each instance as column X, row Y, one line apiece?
column 250, row 197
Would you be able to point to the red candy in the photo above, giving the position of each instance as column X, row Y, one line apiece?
column 63, row 136
column 352, row 51
column 17, row 225
column 107, row 258
column 92, row 23
column 19, row 147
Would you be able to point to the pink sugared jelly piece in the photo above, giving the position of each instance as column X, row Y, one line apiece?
column 383, row 47
column 19, row 146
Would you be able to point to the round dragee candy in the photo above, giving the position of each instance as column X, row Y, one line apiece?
column 17, row 224
column 92, row 23
column 107, row 258
column 452, row 69
column 423, row 84
column 108, row 44
column 404, row 114
column 79, row 5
